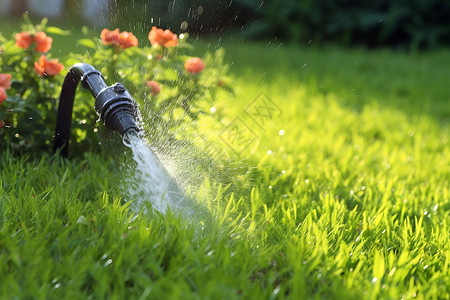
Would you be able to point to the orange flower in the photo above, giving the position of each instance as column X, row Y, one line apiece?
column 3, row 95
column 47, row 67
column 194, row 65
column 110, row 37
column 127, row 40
column 154, row 87
column 165, row 38
column 43, row 42
column 24, row 40
column 121, row 39
column 5, row 81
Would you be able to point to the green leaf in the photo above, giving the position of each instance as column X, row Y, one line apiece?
column 43, row 23
column 87, row 43
column 58, row 31
column 228, row 88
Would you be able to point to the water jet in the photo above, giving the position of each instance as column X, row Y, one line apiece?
column 118, row 111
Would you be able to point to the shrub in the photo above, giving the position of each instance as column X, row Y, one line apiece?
column 29, row 111
column 400, row 23
column 170, row 86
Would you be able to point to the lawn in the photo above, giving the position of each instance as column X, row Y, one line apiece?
column 339, row 188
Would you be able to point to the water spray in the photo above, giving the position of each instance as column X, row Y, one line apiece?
column 114, row 104
column 118, row 111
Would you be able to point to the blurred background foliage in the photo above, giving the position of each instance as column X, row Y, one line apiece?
column 399, row 24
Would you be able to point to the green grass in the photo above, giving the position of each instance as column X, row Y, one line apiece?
column 352, row 202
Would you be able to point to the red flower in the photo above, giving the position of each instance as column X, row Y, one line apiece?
column 194, row 65
column 5, row 81
column 154, row 87
column 165, row 38
column 47, row 67
column 127, row 40
column 121, row 39
column 24, row 40
column 43, row 42
column 3, row 95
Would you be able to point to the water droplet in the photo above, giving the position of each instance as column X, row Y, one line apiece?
column 307, row 181
column 283, row 172
column 281, row 132
column 108, row 262
column 276, row 290
column 374, row 280
column 269, row 152
column 213, row 110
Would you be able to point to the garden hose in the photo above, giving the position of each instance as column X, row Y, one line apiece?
column 115, row 106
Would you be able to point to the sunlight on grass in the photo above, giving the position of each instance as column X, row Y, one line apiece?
column 342, row 193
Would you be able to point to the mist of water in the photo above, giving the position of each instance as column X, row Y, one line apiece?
column 150, row 182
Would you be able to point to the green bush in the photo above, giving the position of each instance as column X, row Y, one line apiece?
column 401, row 24
column 398, row 23
column 171, row 87
column 202, row 17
